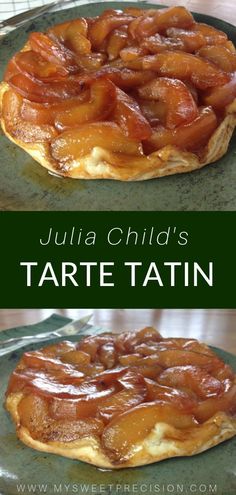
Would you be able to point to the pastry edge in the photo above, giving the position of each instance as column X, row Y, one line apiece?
column 155, row 447
column 98, row 164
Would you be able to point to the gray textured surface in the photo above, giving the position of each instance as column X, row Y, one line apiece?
column 20, row 464
column 25, row 185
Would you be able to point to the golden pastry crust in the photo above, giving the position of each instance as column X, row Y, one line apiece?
column 102, row 164
column 157, row 446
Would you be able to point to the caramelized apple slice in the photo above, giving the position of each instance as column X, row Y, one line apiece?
column 212, row 35
column 154, row 111
column 148, row 366
column 147, row 349
column 134, row 393
column 34, row 415
column 230, row 46
column 100, row 29
column 73, row 34
column 17, row 127
column 179, row 65
column 146, row 334
column 133, row 381
column 53, row 51
column 68, row 431
column 192, row 40
column 220, row 97
column 157, row 44
column 207, row 408
column 190, row 136
column 148, row 371
column 193, row 379
column 100, row 105
column 180, row 105
column 128, row 116
column 11, row 70
column 42, row 92
column 219, row 55
column 90, row 346
column 78, row 142
column 89, row 406
column 76, row 37
column 40, row 361
column 107, row 355
column 92, row 61
column 118, row 403
column 33, row 64
column 90, row 370
column 178, row 398
column 62, row 408
column 151, row 360
column 57, row 350
column 125, row 78
column 132, row 53
column 159, row 21
column 39, row 113
column 61, row 383
column 130, row 359
column 223, row 373
column 77, row 42
column 110, row 376
column 58, row 32
column 111, row 13
column 135, row 12
column 116, row 42
column 127, row 342
column 181, row 357
column 131, row 427
column 76, row 357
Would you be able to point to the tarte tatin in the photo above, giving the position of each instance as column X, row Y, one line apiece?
column 127, row 95
column 123, row 400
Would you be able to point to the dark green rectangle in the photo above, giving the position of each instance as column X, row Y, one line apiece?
column 211, row 238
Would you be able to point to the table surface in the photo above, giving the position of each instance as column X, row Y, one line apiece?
column 222, row 9
column 215, row 327
column 225, row 10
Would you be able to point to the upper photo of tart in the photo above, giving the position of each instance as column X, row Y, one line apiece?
column 128, row 95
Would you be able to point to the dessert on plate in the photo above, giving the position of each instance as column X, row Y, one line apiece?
column 127, row 95
column 123, row 400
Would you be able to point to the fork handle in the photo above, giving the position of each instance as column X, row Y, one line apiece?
column 20, row 343
column 26, row 339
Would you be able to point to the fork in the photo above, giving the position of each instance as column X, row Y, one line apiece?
column 19, row 19
column 80, row 327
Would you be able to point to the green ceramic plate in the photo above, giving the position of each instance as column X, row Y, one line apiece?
column 25, row 185
column 23, row 470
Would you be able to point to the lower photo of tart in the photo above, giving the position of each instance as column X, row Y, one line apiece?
column 119, row 400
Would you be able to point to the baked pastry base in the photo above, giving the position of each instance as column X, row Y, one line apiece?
column 163, row 442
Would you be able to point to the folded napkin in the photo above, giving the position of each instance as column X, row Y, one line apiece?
column 52, row 323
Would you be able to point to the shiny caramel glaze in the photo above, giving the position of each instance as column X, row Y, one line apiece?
column 116, row 388
column 130, row 82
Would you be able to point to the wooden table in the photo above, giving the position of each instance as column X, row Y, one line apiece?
column 215, row 327
column 225, row 10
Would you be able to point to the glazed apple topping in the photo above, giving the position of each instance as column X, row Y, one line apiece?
column 130, row 82
column 118, row 387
